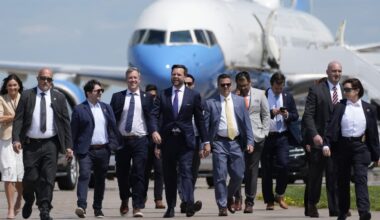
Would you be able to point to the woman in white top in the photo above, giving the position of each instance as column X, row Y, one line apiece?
column 11, row 165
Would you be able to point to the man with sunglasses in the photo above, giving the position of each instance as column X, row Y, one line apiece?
column 93, row 128
column 41, row 128
column 230, row 133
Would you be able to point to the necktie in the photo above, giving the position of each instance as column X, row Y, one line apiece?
column 246, row 99
column 175, row 104
column 131, row 110
column 278, row 117
column 43, row 113
column 335, row 96
column 230, row 124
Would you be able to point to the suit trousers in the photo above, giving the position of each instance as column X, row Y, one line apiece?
column 135, row 149
column 317, row 165
column 156, row 164
column 276, row 148
column 96, row 160
column 227, row 157
column 353, row 154
column 175, row 154
column 40, row 164
column 251, row 173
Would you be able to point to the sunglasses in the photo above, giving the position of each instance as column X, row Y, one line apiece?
column 336, row 71
column 225, row 85
column 348, row 89
column 44, row 78
column 98, row 91
column 188, row 83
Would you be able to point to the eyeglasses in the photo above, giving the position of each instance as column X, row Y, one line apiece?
column 336, row 71
column 189, row 83
column 348, row 89
column 225, row 84
column 44, row 78
column 98, row 91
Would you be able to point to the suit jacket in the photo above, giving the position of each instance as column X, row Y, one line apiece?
column 83, row 125
column 333, row 131
column 24, row 116
column 6, row 109
column 259, row 114
column 292, row 120
column 213, row 112
column 191, row 106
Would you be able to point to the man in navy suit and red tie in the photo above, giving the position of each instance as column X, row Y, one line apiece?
column 176, row 106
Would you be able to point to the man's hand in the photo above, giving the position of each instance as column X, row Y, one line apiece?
column 156, row 137
column 69, row 154
column 318, row 140
column 157, row 152
column 326, row 151
column 284, row 113
column 250, row 148
column 206, row 151
column 308, row 147
column 17, row 147
column 378, row 163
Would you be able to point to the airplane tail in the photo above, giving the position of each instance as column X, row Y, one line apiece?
column 302, row 5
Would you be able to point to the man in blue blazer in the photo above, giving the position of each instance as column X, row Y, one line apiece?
column 93, row 128
column 231, row 134
column 176, row 106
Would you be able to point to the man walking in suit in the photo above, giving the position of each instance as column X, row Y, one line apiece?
column 176, row 106
column 318, row 108
column 41, row 128
column 93, row 129
column 283, row 114
column 258, row 108
column 132, row 112
column 230, row 132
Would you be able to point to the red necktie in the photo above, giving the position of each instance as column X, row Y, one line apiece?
column 335, row 96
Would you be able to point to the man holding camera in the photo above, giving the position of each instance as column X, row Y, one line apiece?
column 282, row 131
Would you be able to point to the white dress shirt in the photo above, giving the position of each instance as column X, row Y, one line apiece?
column 277, row 124
column 100, row 135
column 180, row 95
column 34, row 130
column 331, row 86
column 222, row 130
column 353, row 122
column 138, row 123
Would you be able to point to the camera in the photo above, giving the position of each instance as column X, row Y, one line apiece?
column 283, row 109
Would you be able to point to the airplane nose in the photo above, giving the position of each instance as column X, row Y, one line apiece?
column 155, row 62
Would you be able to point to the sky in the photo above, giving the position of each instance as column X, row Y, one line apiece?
column 96, row 32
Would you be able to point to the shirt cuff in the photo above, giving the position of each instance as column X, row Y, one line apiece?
column 203, row 145
column 326, row 147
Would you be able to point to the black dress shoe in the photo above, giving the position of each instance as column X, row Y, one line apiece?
column 223, row 212
column 169, row 213
column 365, row 216
column 342, row 217
column 45, row 216
column 231, row 205
column 183, row 207
column 190, row 210
column 312, row 211
column 27, row 210
column 198, row 206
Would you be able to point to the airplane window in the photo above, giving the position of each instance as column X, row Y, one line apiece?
column 180, row 37
column 155, row 37
column 211, row 37
column 137, row 36
column 201, row 37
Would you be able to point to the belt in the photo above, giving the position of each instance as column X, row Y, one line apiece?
column 354, row 139
column 40, row 140
column 97, row 146
column 221, row 138
column 276, row 133
column 133, row 137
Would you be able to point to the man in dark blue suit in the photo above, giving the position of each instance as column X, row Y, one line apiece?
column 231, row 134
column 176, row 106
column 93, row 129
column 282, row 130
column 132, row 112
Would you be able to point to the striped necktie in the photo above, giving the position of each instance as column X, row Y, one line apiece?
column 335, row 95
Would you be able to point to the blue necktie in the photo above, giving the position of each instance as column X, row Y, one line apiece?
column 131, row 110
column 43, row 113
column 175, row 104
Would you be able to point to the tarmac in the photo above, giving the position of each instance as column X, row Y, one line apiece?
column 64, row 203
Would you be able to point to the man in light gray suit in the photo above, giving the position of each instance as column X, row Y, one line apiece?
column 258, row 108
column 230, row 134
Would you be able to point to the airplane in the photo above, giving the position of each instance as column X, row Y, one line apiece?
column 214, row 36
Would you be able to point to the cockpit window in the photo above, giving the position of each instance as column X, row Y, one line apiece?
column 201, row 36
column 137, row 36
column 211, row 37
column 155, row 37
column 180, row 37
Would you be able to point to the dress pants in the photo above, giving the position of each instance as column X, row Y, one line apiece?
column 135, row 149
column 227, row 157
column 275, row 147
column 40, row 164
column 156, row 164
column 96, row 160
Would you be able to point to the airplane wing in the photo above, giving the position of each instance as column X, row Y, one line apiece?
column 370, row 52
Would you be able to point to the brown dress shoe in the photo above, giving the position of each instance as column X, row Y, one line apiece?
column 238, row 205
column 124, row 209
column 159, row 204
column 231, row 205
column 280, row 200
column 270, row 206
column 223, row 212
column 248, row 207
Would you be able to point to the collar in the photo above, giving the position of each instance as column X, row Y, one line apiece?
column 137, row 92
column 356, row 104
column 182, row 89
column 39, row 91
column 229, row 97
column 97, row 105
column 332, row 85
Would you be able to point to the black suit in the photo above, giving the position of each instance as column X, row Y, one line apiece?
column 318, row 109
column 354, row 153
column 40, row 156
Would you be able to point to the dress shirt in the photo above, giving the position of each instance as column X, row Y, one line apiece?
column 138, row 124
column 222, row 130
column 276, row 103
column 180, row 95
column 34, row 130
column 100, row 135
column 338, row 90
column 353, row 122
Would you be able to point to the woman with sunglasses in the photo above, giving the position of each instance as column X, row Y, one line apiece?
column 353, row 138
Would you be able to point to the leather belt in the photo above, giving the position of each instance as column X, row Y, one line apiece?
column 277, row 134
column 40, row 140
column 354, row 139
column 97, row 146
column 221, row 138
column 133, row 137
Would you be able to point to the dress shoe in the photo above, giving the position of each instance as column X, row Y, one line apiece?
column 80, row 212
column 159, row 204
column 231, row 205
column 312, row 211
column 270, row 206
column 248, row 207
column 98, row 213
column 137, row 213
column 190, row 210
column 124, row 209
column 333, row 214
column 198, row 206
column 45, row 216
column 280, row 200
column 223, row 212
column 342, row 217
column 238, row 204
column 348, row 214
column 183, row 207
column 27, row 210
column 365, row 216
column 169, row 213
